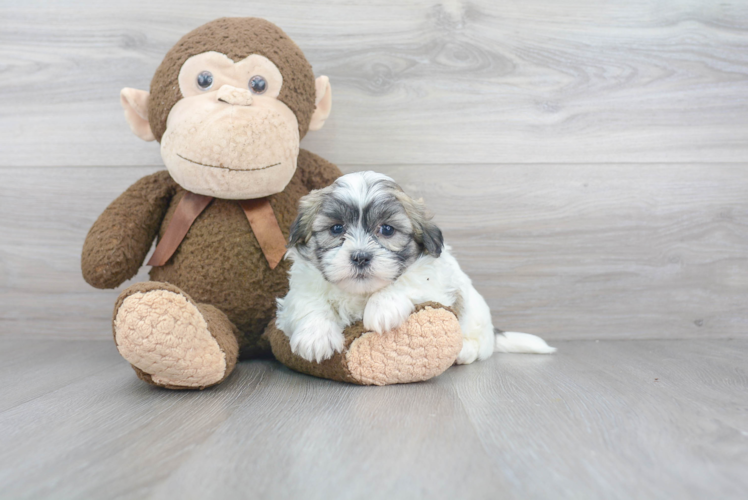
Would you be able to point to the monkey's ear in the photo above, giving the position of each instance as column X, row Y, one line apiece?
column 135, row 104
column 323, row 103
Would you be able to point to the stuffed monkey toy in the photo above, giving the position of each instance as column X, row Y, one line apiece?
column 229, row 104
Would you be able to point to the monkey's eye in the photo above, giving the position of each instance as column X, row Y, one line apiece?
column 337, row 229
column 386, row 230
column 205, row 80
column 258, row 84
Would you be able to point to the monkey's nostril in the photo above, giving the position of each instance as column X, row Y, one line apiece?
column 361, row 259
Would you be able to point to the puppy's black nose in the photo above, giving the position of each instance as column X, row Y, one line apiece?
column 361, row 259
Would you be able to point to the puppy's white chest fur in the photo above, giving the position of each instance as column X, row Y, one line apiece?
column 426, row 280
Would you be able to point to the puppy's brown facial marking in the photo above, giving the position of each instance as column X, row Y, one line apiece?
column 363, row 232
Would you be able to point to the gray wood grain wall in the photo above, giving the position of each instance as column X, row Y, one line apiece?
column 588, row 161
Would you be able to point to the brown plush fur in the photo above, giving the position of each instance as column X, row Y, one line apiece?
column 334, row 368
column 338, row 367
column 237, row 38
column 219, row 262
column 119, row 240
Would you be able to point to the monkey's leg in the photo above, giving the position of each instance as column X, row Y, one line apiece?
column 421, row 348
column 170, row 340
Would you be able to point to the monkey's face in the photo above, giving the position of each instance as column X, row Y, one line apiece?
column 229, row 136
column 228, row 123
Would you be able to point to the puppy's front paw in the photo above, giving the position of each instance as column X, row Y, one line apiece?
column 386, row 312
column 317, row 340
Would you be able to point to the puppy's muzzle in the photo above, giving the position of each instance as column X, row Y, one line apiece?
column 361, row 260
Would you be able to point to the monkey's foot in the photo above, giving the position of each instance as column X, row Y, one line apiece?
column 170, row 340
column 421, row 348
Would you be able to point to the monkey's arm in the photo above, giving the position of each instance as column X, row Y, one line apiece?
column 316, row 172
column 120, row 238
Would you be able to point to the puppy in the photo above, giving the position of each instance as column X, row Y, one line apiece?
column 362, row 249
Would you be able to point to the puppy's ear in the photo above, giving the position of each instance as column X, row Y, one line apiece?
column 433, row 240
column 426, row 233
column 309, row 206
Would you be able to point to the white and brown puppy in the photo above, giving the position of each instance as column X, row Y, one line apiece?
column 363, row 249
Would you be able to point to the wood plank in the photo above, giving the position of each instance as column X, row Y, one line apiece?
column 605, row 419
column 419, row 82
column 56, row 364
column 578, row 424
column 109, row 435
column 625, row 251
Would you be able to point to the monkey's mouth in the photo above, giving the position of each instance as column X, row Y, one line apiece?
column 228, row 168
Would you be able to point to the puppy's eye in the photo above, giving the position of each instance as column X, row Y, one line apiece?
column 386, row 230
column 337, row 229
column 258, row 84
column 205, row 80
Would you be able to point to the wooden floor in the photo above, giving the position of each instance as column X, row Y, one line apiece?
column 599, row 419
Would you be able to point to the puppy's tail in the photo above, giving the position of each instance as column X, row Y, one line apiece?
column 521, row 342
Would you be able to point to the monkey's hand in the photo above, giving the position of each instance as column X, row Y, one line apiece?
column 386, row 310
column 120, row 238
